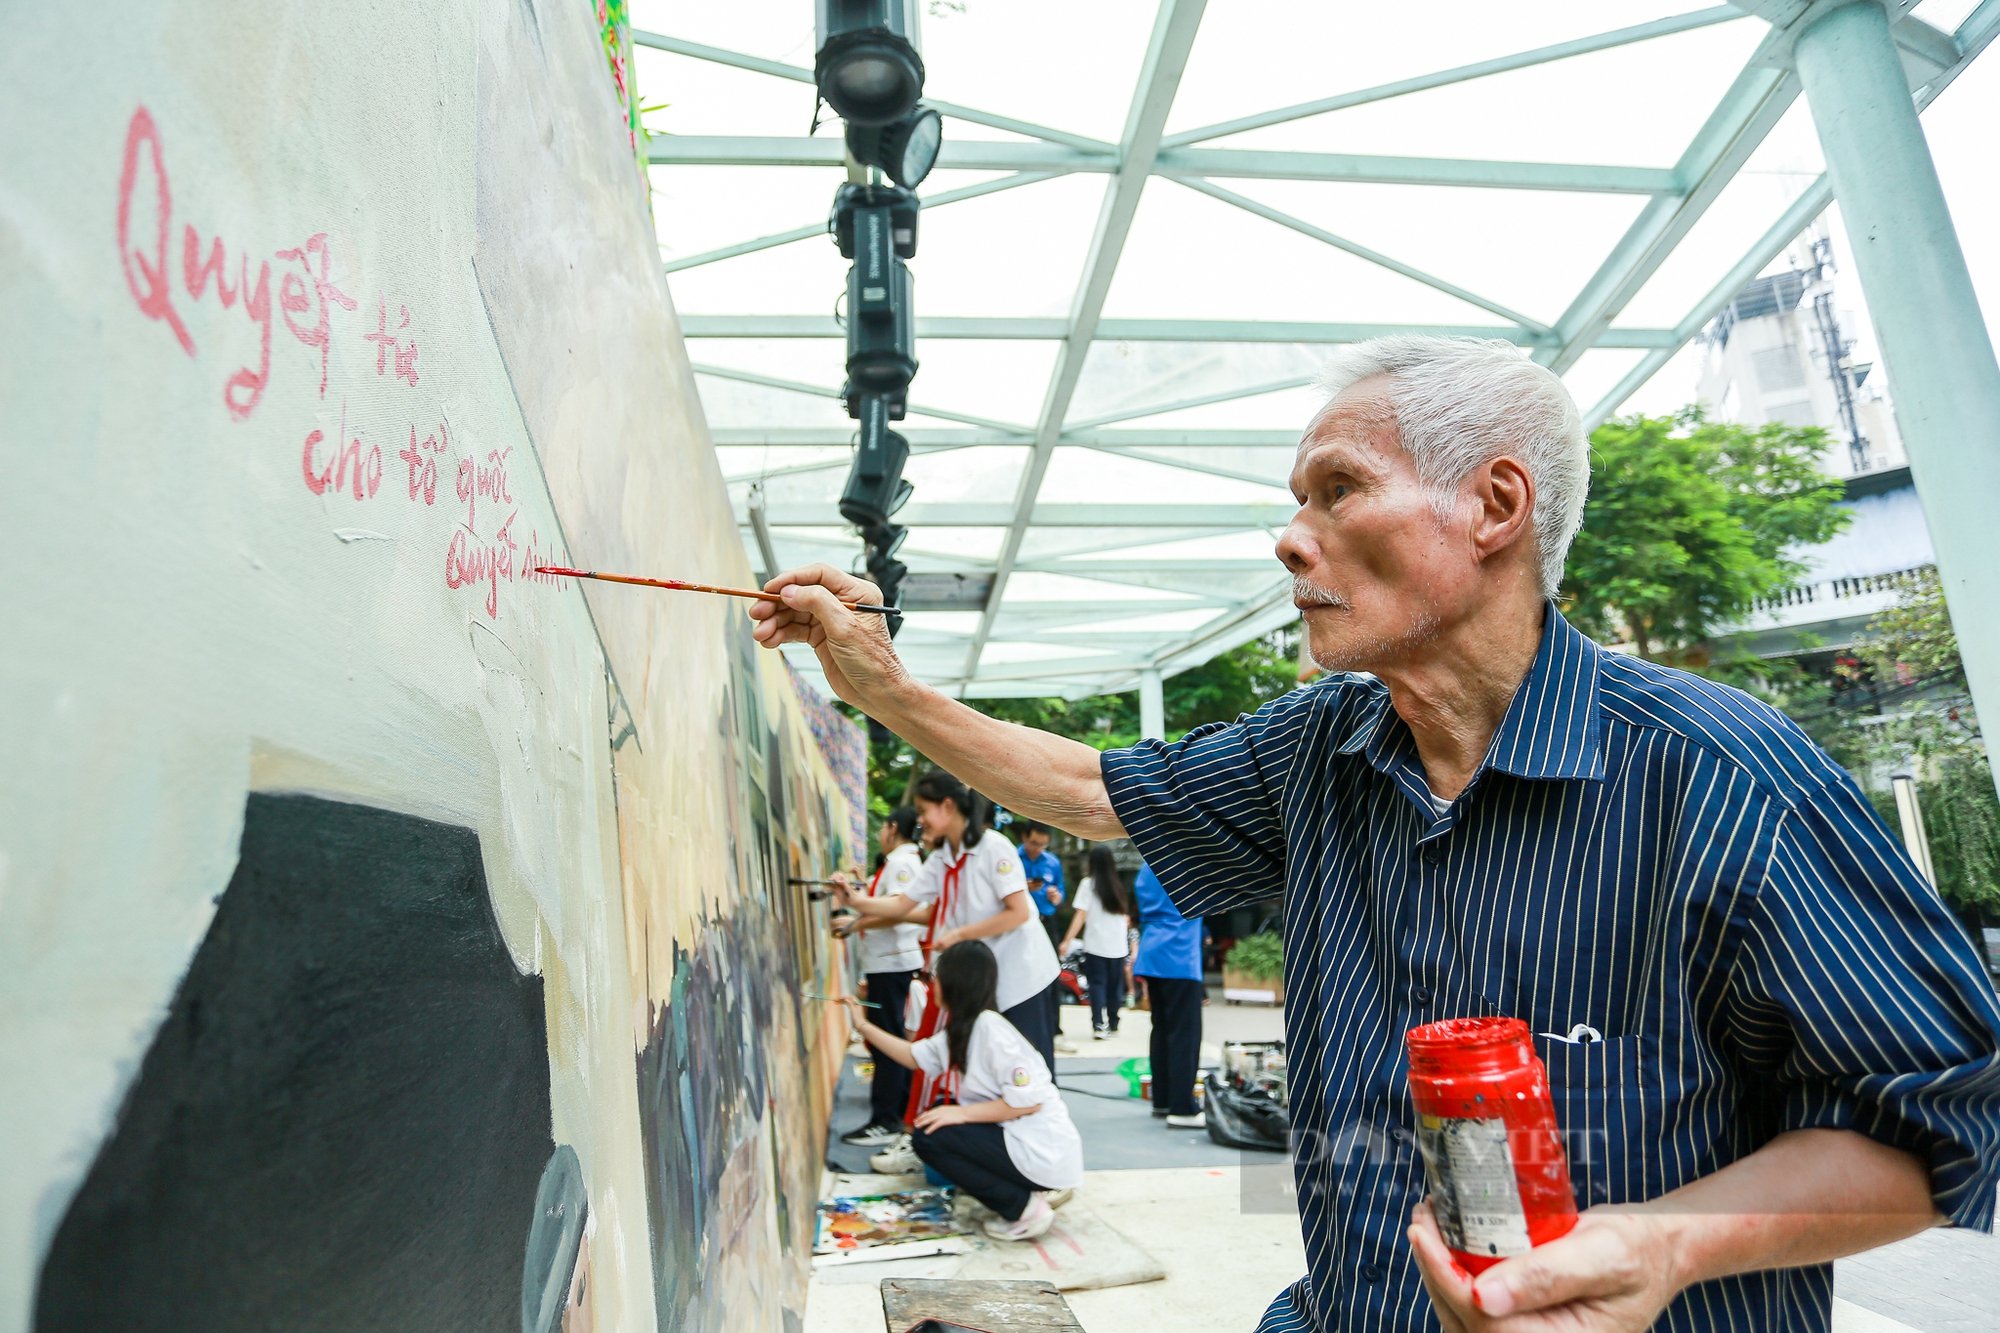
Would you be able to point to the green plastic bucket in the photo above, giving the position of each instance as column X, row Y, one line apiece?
column 1136, row 1072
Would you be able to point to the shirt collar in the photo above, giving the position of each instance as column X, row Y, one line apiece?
column 1551, row 729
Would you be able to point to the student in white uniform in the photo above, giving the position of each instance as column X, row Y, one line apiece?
column 1008, row 1138
column 973, row 888
column 891, row 954
column 1102, row 915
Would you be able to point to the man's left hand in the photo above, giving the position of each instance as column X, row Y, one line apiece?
column 944, row 940
column 1614, row 1271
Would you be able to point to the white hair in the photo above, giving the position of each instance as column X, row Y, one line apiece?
column 1461, row 402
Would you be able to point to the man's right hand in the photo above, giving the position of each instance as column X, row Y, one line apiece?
column 853, row 646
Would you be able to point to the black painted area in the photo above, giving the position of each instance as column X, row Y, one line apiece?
column 342, row 1121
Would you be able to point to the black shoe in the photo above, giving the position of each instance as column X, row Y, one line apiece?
column 1160, row 1113
column 870, row 1136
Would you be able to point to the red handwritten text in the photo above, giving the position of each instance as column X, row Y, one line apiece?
column 478, row 481
column 471, row 561
column 346, row 466
column 146, row 267
column 388, row 344
column 421, row 455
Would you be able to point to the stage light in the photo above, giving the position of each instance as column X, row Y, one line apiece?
column 863, row 214
column 887, row 573
column 905, row 150
column 867, row 66
column 875, row 487
column 881, row 330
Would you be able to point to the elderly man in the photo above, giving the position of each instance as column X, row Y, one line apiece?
column 1798, row 1053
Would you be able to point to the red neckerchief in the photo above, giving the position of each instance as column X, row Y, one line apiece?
column 942, row 907
column 926, row 1091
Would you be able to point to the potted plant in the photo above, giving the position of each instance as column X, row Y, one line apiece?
column 1254, row 971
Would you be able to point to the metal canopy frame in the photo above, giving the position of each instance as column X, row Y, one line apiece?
column 963, row 656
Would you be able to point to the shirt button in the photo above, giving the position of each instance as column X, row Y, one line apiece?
column 1420, row 994
column 1399, row 1134
column 1433, row 854
column 1371, row 1272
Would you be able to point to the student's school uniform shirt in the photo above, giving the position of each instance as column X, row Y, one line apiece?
column 1104, row 931
column 999, row 1062
column 897, row 948
column 987, row 873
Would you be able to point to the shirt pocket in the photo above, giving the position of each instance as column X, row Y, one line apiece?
column 1604, row 1093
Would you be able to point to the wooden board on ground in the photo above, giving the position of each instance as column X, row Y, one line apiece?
column 1001, row 1307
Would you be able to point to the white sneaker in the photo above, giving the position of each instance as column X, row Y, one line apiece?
column 1195, row 1121
column 968, row 1211
column 1100, row 1035
column 898, row 1159
column 1065, row 1046
column 1057, row 1198
column 1036, row 1218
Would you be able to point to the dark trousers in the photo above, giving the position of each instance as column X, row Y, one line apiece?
column 1107, row 990
column 1176, row 1052
column 890, row 1093
column 1037, row 1024
column 1055, row 934
column 974, row 1158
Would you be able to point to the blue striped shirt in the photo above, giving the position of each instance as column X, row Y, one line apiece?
column 1657, row 856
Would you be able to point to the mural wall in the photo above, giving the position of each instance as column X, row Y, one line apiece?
column 390, row 936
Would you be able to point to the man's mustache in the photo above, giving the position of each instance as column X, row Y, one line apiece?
column 1305, row 594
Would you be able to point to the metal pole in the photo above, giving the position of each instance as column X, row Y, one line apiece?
column 1942, row 371
column 1910, row 813
column 1152, row 706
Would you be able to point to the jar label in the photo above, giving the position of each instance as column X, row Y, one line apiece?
column 1473, row 1189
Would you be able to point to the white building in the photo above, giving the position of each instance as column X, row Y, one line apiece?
column 1780, row 352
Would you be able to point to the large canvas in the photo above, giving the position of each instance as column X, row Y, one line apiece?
column 390, row 936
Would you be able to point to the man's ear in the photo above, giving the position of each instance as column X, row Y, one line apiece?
column 1505, row 497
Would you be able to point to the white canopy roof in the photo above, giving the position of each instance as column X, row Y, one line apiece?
column 1148, row 225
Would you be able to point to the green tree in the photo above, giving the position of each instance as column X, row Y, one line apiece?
column 1689, row 521
column 1911, row 646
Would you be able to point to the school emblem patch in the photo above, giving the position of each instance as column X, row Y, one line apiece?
column 1006, row 867
column 1020, row 1076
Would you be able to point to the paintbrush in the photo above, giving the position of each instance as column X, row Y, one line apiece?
column 680, row 585
column 815, row 995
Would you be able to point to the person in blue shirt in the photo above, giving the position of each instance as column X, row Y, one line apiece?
column 1169, row 961
column 1478, row 811
column 1044, row 873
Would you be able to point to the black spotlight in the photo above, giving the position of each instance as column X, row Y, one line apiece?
column 887, row 573
column 864, row 214
column 875, row 488
column 867, row 67
column 905, row 150
column 881, row 327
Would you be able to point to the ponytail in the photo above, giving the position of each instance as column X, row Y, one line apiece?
column 968, row 978
column 1107, row 883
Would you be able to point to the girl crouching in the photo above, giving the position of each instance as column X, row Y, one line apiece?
column 1008, row 1137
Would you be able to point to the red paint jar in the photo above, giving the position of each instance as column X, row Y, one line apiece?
column 1493, row 1154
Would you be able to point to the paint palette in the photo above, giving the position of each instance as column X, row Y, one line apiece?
column 859, row 1221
